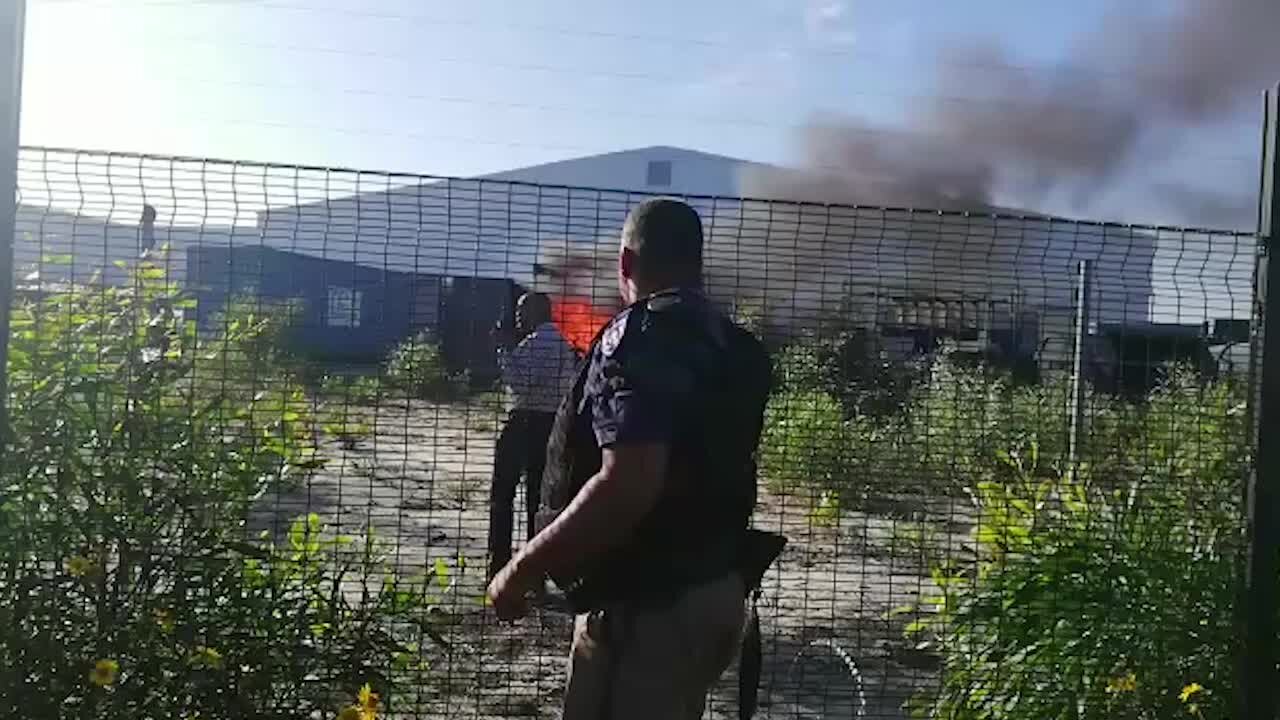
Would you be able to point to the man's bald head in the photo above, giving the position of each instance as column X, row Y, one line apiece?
column 661, row 246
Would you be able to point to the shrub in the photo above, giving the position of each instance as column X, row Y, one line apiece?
column 1101, row 598
column 259, row 329
column 850, row 367
column 804, row 367
column 417, row 367
column 347, row 431
column 948, row 423
column 356, row 390
column 804, row 442
column 955, row 420
column 960, row 418
column 1101, row 591
column 130, row 584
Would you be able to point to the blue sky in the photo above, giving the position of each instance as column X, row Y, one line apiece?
column 468, row 88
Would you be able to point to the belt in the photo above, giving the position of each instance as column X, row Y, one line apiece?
column 651, row 584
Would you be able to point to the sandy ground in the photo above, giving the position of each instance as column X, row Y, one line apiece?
column 420, row 477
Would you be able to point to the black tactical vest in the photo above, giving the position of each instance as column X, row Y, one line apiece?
column 695, row 531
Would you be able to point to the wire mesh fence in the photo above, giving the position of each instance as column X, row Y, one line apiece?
column 257, row 413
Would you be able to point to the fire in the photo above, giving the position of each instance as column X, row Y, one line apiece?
column 578, row 319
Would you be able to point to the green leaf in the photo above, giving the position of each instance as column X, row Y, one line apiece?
column 441, row 573
column 297, row 534
column 1004, row 457
column 900, row 610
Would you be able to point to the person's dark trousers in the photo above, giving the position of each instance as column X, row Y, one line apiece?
column 521, row 450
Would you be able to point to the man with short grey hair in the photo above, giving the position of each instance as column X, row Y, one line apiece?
column 537, row 372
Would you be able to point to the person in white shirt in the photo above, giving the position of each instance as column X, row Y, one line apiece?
column 538, row 373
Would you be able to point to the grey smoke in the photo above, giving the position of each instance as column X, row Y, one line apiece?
column 1210, row 208
column 1209, row 59
column 1127, row 90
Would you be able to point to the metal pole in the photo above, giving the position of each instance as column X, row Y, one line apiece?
column 1257, row 687
column 12, row 23
column 1084, row 292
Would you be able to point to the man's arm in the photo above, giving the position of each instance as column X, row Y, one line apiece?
column 634, row 415
column 602, row 514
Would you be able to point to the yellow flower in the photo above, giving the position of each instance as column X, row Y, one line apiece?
column 79, row 566
column 1190, row 691
column 207, row 657
column 368, row 700
column 164, row 619
column 351, row 712
column 104, row 672
column 1122, row 684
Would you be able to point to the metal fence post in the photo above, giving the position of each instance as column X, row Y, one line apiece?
column 1084, row 293
column 1258, row 662
column 12, row 22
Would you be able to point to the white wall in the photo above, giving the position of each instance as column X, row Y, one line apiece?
column 799, row 261
column 802, row 262
column 692, row 173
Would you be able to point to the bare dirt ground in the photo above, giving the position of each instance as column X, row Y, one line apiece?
column 420, row 478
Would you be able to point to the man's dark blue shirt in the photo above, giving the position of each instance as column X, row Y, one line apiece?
column 669, row 370
column 643, row 373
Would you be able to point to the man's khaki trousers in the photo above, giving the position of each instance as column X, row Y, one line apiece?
column 629, row 664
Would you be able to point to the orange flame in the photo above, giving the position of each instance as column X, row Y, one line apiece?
column 579, row 320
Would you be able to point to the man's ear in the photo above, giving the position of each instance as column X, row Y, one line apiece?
column 627, row 262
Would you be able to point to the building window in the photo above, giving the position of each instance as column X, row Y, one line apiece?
column 344, row 306
column 659, row 173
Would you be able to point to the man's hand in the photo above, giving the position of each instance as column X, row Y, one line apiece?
column 508, row 592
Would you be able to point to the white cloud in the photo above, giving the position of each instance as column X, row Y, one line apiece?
column 832, row 10
column 828, row 23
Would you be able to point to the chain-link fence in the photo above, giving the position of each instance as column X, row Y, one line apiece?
column 256, row 410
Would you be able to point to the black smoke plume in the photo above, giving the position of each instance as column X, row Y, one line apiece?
column 995, row 129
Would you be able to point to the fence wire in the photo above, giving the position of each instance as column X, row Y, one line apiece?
column 256, row 410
